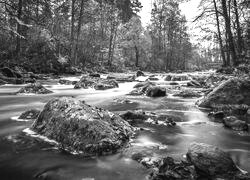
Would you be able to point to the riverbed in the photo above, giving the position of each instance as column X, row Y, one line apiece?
column 25, row 155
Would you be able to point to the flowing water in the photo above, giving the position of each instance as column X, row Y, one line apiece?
column 24, row 155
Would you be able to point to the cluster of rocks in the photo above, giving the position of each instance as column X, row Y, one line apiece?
column 34, row 88
column 230, row 101
column 79, row 127
column 139, row 116
column 187, row 93
column 96, row 83
column 203, row 161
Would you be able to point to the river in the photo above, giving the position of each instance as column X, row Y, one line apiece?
column 23, row 156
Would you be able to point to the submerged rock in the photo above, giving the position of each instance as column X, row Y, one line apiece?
column 234, row 123
column 82, row 128
column 35, row 88
column 187, row 94
column 211, row 162
column 156, row 91
column 233, row 91
column 169, row 169
column 30, row 114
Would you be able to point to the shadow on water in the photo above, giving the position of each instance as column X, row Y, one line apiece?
column 24, row 157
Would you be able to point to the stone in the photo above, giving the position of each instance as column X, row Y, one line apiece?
column 232, row 91
column 217, row 115
column 210, row 161
column 139, row 116
column 65, row 81
column 95, row 75
column 82, row 128
column 30, row 114
column 139, row 73
column 168, row 78
column 193, row 83
column 234, row 123
column 96, row 83
column 187, row 94
column 174, row 83
column 34, row 88
column 143, row 84
column 156, row 91
column 169, row 169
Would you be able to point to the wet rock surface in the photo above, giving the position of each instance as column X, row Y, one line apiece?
column 170, row 169
column 97, row 83
column 188, row 94
column 30, row 114
column 234, row 123
column 35, row 88
column 156, row 91
column 233, row 91
column 211, row 162
column 82, row 128
column 139, row 116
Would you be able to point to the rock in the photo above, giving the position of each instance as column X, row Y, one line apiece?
column 141, row 88
column 30, row 114
column 169, row 169
column 168, row 78
column 217, row 115
column 180, row 78
column 65, row 81
column 95, row 75
column 143, row 84
column 82, row 128
column 156, row 91
column 211, row 162
column 187, row 94
column 35, row 88
column 153, row 79
column 125, row 79
column 97, row 83
column 233, row 91
column 139, row 116
column 234, row 123
column 139, row 73
column 174, row 83
column 193, row 83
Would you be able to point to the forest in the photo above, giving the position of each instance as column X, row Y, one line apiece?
column 107, row 35
column 124, row 89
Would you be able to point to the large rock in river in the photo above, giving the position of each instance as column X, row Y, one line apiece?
column 233, row 91
column 211, row 162
column 234, row 123
column 34, row 88
column 82, row 128
column 156, row 91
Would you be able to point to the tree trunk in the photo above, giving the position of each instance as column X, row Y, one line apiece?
column 18, row 39
column 229, row 32
column 239, row 36
column 72, row 38
column 78, row 33
column 136, row 57
column 219, row 34
column 248, row 34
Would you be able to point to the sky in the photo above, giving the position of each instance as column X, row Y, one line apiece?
column 189, row 9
